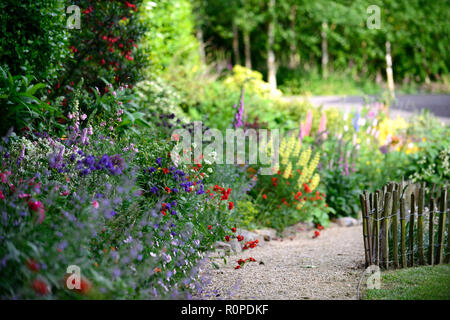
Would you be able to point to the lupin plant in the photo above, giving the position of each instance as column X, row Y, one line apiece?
column 288, row 194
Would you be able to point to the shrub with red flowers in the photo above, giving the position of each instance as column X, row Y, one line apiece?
column 106, row 45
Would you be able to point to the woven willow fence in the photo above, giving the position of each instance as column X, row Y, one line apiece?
column 400, row 230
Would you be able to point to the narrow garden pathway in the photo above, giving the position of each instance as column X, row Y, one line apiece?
column 296, row 267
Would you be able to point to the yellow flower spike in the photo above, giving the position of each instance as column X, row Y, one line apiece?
column 304, row 158
column 282, row 146
column 288, row 171
column 296, row 149
column 315, row 182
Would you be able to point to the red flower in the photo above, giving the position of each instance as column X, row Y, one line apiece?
column 167, row 189
column 237, row 267
column 316, row 234
column 227, row 238
column 230, row 205
column 165, row 170
column 320, row 227
column 32, row 265
column 1, row 195
column 85, row 285
column 40, row 286
column 307, row 188
column 233, row 229
column 209, row 227
column 251, row 259
column 34, row 205
column 240, row 238
column 274, row 181
column 264, row 196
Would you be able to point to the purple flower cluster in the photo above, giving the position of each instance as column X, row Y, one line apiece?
column 113, row 164
column 237, row 121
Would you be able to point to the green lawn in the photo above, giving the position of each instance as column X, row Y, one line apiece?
column 420, row 283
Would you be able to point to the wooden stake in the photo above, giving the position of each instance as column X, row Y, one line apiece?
column 377, row 231
column 386, row 214
column 411, row 231
column 441, row 233
column 394, row 227
column 420, row 225
column 431, row 233
column 365, row 233
column 403, row 231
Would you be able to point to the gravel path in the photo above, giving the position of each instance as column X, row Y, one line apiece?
column 299, row 267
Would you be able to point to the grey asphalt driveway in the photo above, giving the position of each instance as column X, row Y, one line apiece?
column 405, row 105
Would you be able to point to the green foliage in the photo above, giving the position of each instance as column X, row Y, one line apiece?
column 34, row 37
column 415, row 31
column 340, row 178
column 246, row 214
column 105, row 46
column 169, row 33
column 20, row 105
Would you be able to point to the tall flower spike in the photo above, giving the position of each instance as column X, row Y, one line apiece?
column 323, row 124
column 237, row 122
column 308, row 123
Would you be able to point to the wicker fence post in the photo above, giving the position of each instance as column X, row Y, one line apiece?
column 386, row 214
column 441, row 232
column 395, row 227
column 420, row 211
column 431, row 234
column 365, row 226
column 403, row 231
column 377, row 230
column 411, row 230
column 369, row 233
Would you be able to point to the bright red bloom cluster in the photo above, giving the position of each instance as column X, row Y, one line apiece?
column 32, row 265
column 241, row 262
column 275, row 181
column 316, row 234
column 40, row 286
column 307, row 188
column 250, row 244
column 225, row 193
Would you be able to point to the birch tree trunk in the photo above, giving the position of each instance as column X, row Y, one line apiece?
column 389, row 72
column 237, row 57
column 271, row 65
column 247, row 50
column 294, row 57
column 324, row 50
